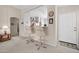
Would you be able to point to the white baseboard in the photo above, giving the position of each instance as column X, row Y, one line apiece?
column 51, row 44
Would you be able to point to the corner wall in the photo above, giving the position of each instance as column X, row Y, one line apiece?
column 6, row 12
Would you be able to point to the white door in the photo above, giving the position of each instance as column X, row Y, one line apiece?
column 67, row 27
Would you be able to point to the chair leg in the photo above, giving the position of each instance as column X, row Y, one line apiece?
column 44, row 46
column 41, row 45
column 38, row 48
column 37, row 44
column 32, row 40
column 27, row 41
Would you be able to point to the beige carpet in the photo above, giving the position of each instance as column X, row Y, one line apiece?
column 18, row 45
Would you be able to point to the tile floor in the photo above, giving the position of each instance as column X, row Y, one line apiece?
column 18, row 45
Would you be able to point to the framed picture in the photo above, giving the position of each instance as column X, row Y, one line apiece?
column 31, row 19
column 51, row 14
column 36, row 19
column 50, row 20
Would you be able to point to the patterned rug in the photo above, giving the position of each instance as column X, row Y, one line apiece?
column 69, row 45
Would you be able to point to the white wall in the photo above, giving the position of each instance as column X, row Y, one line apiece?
column 52, row 38
column 6, row 12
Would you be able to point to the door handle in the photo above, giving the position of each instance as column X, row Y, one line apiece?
column 75, row 28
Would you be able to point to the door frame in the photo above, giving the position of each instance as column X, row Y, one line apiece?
column 18, row 24
column 59, row 26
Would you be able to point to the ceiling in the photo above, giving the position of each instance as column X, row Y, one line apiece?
column 24, row 8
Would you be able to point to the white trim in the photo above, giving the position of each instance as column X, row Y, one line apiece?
column 56, row 27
